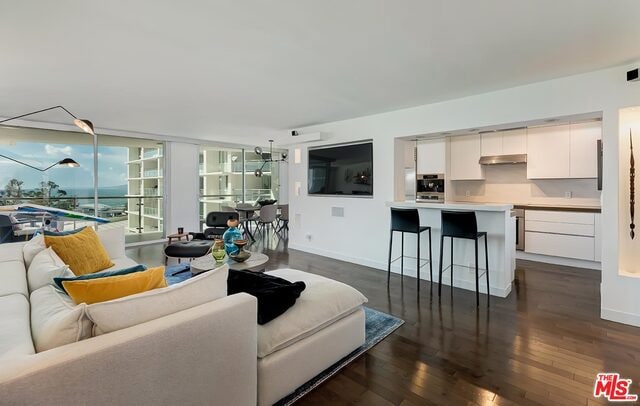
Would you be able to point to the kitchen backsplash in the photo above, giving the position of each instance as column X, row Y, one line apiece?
column 509, row 184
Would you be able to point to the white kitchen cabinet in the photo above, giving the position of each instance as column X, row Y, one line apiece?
column 512, row 142
column 431, row 156
column 491, row 144
column 465, row 157
column 549, row 152
column 563, row 234
column 563, row 151
column 583, row 155
column 559, row 245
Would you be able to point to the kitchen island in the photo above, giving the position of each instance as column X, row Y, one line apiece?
column 495, row 219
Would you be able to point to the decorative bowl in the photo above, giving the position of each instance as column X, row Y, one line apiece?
column 241, row 256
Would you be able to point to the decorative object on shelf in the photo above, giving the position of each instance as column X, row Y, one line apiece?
column 267, row 157
column 632, row 186
column 68, row 162
column 218, row 251
column 86, row 126
column 230, row 235
column 240, row 255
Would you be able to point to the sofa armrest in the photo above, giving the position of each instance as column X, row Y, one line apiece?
column 203, row 355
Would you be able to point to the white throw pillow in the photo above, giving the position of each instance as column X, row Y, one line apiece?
column 142, row 307
column 32, row 248
column 56, row 320
column 113, row 241
column 45, row 266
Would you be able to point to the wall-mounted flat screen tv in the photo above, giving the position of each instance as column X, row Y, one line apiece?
column 341, row 170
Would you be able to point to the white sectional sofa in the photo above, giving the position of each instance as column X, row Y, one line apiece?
column 212, row 354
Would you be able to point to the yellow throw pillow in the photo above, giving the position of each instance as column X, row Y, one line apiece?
column 113, row 287
column 82, row 251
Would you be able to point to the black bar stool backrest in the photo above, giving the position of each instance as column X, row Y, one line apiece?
column 406, row 220
column 459, row 224
column 219, row 218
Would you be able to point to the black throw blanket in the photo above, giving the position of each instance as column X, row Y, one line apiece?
column 275, row 295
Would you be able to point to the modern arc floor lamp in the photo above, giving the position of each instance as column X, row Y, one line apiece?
column 84, row 125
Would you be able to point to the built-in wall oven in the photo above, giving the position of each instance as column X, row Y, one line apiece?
column 519, row 215
column 430, row 188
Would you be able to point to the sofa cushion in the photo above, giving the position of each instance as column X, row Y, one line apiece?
column 135, row 309
column 11, row 251
column 32, row 247
column 46, row 266
column 13, row 278
column 323, row 302
column 82, row 251
column 121, row 263
column 15, row 331
column 112, row 240
column 102, row 274
column 98, row 290
column 56, row 320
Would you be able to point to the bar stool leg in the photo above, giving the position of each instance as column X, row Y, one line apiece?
column 389, row 262
column 486, row 260
column 477, row 282
column 418, row 262
column 430, row 259
column 402, row 255
column 440, row 267
column 452, row 239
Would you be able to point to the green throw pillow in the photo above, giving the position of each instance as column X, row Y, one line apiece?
column 97, row 275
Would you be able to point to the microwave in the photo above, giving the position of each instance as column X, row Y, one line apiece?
column 430, row 188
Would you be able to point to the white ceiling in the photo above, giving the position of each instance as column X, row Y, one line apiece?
column 214, row 69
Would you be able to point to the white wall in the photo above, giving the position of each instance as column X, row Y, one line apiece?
column 181, row 187
column 362, row 234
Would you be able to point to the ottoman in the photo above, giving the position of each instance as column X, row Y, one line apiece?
column 187, row 249
column 326, row 324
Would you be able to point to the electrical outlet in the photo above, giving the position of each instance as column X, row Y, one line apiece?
column 568, row 194
column 467, row 193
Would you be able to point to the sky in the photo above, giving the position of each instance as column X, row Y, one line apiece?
column 112, row 167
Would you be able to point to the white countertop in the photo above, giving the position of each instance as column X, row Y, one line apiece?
column 452, row 206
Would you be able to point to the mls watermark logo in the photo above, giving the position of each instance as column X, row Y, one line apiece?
column 615, row 389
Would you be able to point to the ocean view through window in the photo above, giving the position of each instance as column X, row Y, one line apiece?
column 130, row 179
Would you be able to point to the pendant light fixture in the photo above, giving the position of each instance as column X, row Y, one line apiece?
column 267, row 158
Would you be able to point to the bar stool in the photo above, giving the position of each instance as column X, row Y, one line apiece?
column 407, row 221
column 463, row 224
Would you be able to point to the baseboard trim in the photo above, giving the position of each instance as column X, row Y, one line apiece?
column 547, row 259
column 620, row 317
column 424, row 274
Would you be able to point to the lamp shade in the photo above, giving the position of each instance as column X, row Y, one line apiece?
column 69, row 162
column 257, row 150
column 84, row 125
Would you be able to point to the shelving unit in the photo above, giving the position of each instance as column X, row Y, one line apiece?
column 145, row 178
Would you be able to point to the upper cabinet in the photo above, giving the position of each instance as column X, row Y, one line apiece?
column 563, row 151
column 431, row 156
column 512, row 142
column 465, row 156
column 584, row 149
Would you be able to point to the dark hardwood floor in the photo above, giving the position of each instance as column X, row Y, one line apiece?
column 543, row 345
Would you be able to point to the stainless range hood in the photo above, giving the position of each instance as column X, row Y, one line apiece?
column 503, row 159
